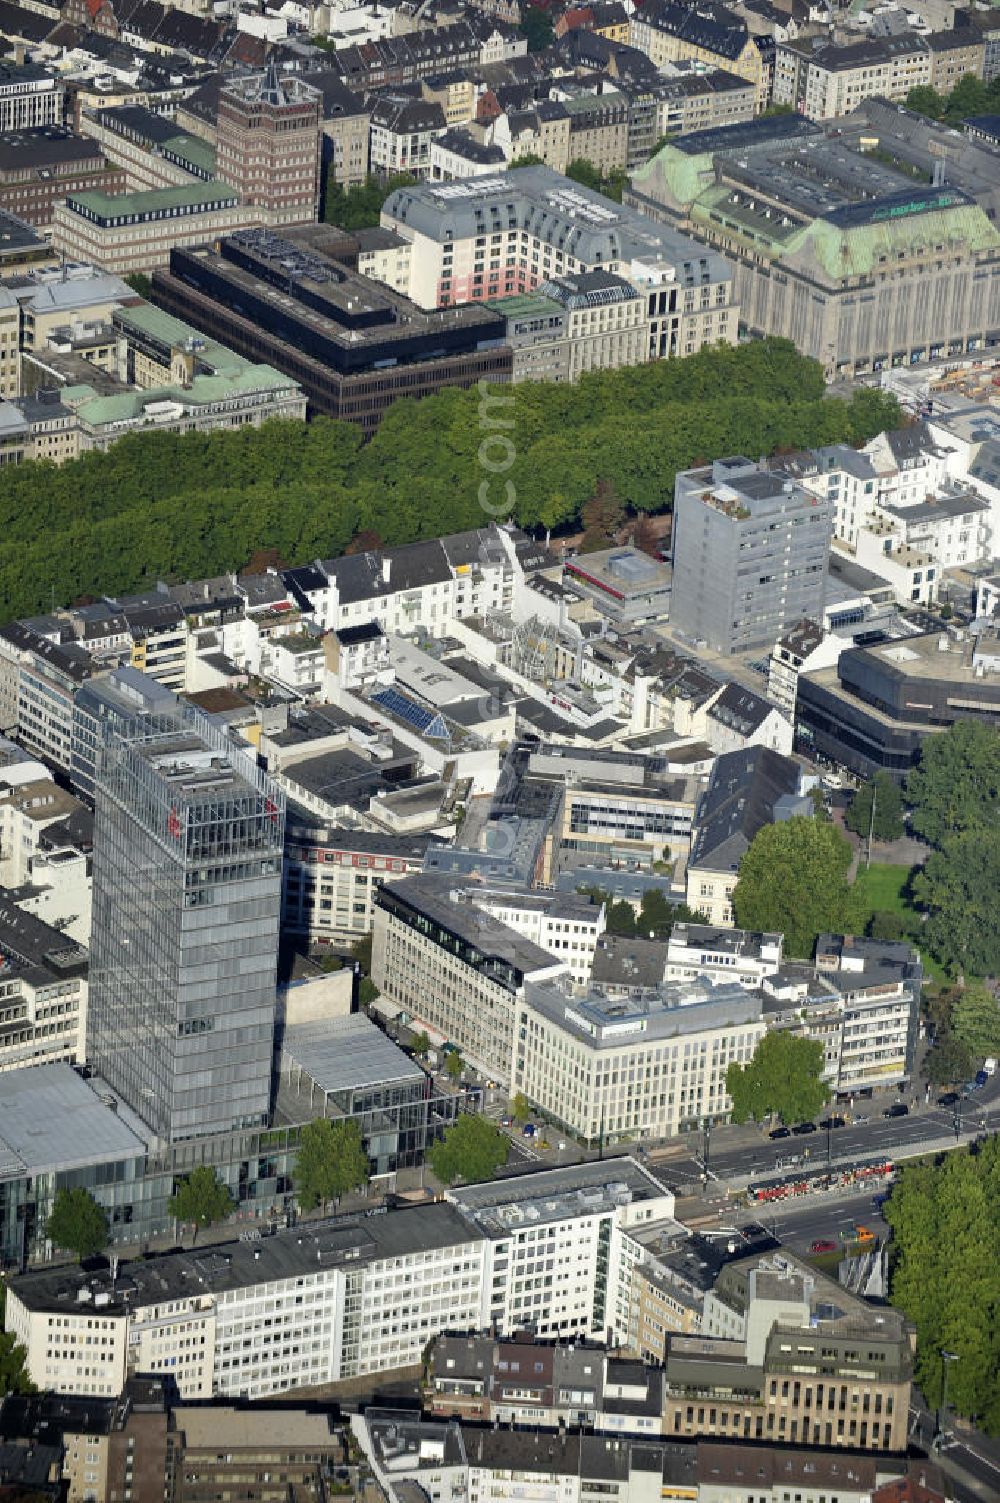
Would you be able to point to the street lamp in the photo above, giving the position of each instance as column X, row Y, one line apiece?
column 707, row 1130
column 871, row 825
column 947, row 1358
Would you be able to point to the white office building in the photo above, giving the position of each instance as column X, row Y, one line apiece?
column 642, row 1067
column 454, row 969
column 342, row 1298
column 348, row 1297
column 558, row 1251
column 566, row 924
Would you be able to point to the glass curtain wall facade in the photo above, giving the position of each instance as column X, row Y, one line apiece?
column 188, row 841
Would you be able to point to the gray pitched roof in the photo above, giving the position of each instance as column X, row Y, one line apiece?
column 586, row 225
column 740, row 799
column 740, row 709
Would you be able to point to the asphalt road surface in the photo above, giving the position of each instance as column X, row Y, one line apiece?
column 742, row 1152
column 970, row 1461
column 798, row 1224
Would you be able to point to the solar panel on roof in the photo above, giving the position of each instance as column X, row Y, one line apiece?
column 427, row 722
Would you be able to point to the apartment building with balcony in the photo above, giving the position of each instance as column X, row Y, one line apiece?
column 878, row 983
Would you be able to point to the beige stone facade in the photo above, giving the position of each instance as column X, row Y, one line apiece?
column 662, row 46
column 348, row 138
column 656, row 1313
column 815, row 1390
column 611, row 1071
column 829, row 81
column 954, row 55
column 121, row 235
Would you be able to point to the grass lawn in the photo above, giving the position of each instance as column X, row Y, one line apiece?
column 828, row 1263
column 881, row 887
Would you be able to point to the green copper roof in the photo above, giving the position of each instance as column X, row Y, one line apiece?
column 172, row 332
column 193, row 150
column 130, row 406
column 845, row 251
column 524, row 305
column 855, row 252
column 193, row 195
column 684, row 175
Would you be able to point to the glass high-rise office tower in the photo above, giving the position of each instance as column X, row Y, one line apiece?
column 187, row 888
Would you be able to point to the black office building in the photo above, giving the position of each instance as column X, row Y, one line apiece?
column 874, row 709
column 355, row 346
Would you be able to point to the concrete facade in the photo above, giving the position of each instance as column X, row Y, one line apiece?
column 750, row 548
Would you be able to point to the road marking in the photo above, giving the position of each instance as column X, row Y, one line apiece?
column 963, row 1445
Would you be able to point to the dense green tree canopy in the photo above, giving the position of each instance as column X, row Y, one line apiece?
column 536, row 25
column 945, row 1219
column 793, row 879
column 331, row 1161
column 453, row 1065
column 949, row 1061
column 359, row 208
column 167, row 506
column 612, row 184
column 471, row 1149
column 201, row 1198
column 421, row 1044
column 77, row 1223
column 925, row 100
column 959, row 886
column 975, row 1020
column 619, row 917
column 885, row 923
column 970, row 96
column 601, row 516
column 956, row 784
column 782, row 1079
column 884, row 792
column 655, row 919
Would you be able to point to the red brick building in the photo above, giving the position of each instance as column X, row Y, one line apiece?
column 39, row 167
column 269, row 145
